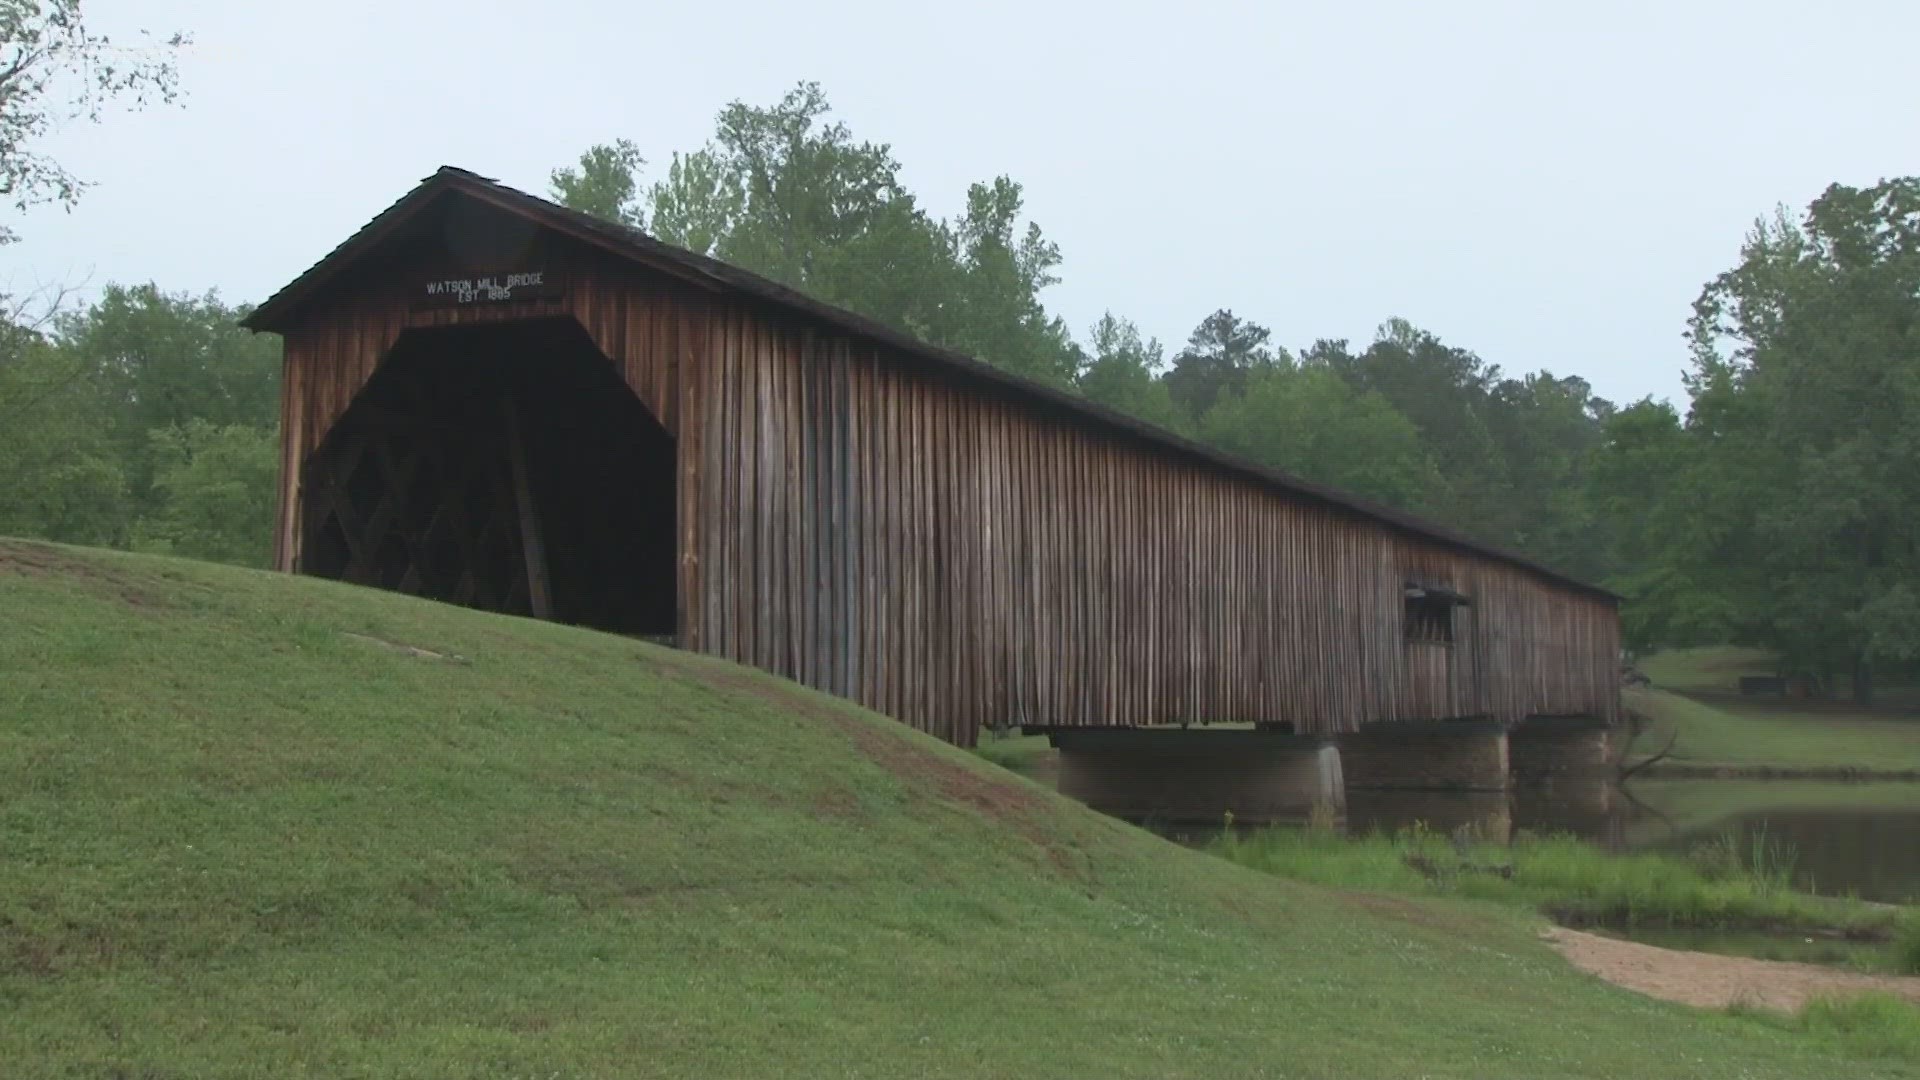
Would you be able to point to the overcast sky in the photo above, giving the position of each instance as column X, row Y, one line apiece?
column 1546, row 188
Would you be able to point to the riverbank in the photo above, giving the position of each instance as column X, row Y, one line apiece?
column 375, row 836
column 1719, row 736
column 1714, row 981
column 1727, row 883
column 1870, row 1013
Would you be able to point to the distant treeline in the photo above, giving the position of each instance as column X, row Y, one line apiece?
column 1778, row 511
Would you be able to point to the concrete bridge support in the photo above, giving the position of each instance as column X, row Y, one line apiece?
column 1451, row 755
column 1563, row 769
column 1198, row 775
column 1561, row 748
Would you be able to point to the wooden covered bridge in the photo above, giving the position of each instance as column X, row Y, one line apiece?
column 492, row 400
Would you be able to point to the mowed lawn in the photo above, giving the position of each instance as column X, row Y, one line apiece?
column 1694, row 690
column 252, row 825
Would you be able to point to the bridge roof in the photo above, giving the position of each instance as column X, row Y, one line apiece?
column 281, row 311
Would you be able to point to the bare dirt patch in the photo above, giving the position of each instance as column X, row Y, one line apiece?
column 404, row 649
column 1711, row 981
column 835, row 803
column 38, row 560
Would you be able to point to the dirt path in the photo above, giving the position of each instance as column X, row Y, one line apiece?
column 1713, row 981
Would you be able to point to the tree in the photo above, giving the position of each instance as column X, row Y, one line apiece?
column 1308, row 422
column 53, row 71
column 603, row 183
column 1220, row 355
column 216, row 492
column 1806, row 389
column 147, row 419
column 1667, row 540
column 997, row 314
column 60, row 474
column 785, row 192
column 161, row 360
column 1123, row 374
column 1544, row 432
column 1447, row 393
column 696, row 205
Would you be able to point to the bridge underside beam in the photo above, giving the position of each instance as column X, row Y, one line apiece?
column 1199, row 775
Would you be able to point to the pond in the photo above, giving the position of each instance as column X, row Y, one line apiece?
column 1849, row 837
column 1859, row 839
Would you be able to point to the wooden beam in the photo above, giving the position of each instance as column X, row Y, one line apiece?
column 538, row 596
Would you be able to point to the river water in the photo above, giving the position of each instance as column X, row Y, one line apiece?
column 1860, row 839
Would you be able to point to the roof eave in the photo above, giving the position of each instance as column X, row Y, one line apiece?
column 274, row 315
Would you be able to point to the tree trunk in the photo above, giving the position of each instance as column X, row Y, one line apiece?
column 1862, row 683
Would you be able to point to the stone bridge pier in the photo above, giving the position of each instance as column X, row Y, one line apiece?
column 1198, row 776
column 1446, row 755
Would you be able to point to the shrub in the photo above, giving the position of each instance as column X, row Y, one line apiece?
column 1878, row 1024
column 1906, row 945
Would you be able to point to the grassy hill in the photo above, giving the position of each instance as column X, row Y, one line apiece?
column 254, row 825
column 1717, row 726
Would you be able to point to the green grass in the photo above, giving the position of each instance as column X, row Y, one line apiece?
column 1724, row 731
column 1878, row 1024
column 1906, row 945
column 244, row 835
column 1693, row 805
column 1695, row 692
column 1717, row 668
column 1030, row 756
column 1723, row 885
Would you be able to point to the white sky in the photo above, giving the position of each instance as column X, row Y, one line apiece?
column 1549, row 189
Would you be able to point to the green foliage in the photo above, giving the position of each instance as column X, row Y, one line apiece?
column 1766, row 860
column 215, row 490
column 1738, row 886
column 603, row 183
column 1123, row 373
column 1906, row 944
column 1806, row 384
column 1726, row 731
column 995, row 312
column 54, row 70
column 1308, row 422
column 60, row 475
column 1871, row 1025
column 1222, row 354
column 1509, row 456
column 785, row 190
column 1447, row 394
column 1022, row 754
column 543, row 851
column 168, row 359
column 146, row 418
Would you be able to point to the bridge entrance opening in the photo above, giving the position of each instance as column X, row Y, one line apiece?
column 502, row 466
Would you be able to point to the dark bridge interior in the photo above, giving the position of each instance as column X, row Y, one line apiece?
column 506, row 467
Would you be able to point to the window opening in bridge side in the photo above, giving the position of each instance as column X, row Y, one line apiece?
column 1429, row 613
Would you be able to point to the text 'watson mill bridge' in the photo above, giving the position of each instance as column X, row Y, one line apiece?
column 492, row 400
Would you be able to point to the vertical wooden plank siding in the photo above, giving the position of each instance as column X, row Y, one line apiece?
column 1014, row 566
column 960, row 557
